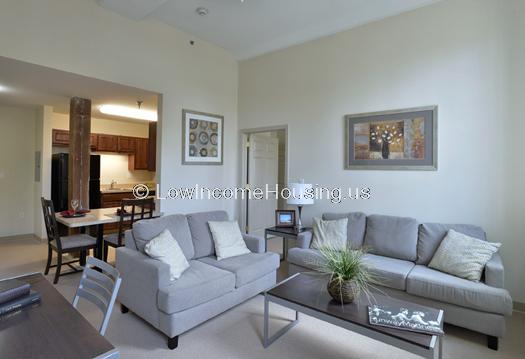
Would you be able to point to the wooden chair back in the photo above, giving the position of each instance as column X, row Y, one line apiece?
column 99, row 287
column 131, row 211
column 51, row 223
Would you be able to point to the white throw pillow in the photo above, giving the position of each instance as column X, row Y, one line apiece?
column 166, row 249
column 228, row 239
column 332, row 234
column 463, row 256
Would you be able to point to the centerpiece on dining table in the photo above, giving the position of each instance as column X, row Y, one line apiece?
column 74, row 212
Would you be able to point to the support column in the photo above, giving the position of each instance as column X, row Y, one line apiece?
column 79, row 150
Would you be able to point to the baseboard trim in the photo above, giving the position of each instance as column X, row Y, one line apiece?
column 519, row 307
column 20, row 237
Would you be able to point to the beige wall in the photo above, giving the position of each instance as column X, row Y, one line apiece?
column 43, row 143
column 81, row 37
column 514, row 234
column 17, row 159
column 453, row 54
column 103, row 125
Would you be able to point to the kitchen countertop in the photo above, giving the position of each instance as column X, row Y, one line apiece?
column 121, row 190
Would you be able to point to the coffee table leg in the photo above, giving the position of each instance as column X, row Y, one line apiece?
column 267, row 341
column 437, row 352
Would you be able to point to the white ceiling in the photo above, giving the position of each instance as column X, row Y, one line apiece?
column 24, row 84
column 256, row 27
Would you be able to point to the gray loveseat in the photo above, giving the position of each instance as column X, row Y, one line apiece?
column 399, row 250
column 206, row 289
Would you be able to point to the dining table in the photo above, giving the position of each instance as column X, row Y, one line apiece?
column 52, row 328
column 97, row 218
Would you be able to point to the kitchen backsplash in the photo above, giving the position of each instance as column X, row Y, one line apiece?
column 114, row 167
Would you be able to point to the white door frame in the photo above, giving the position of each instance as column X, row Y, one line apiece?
column 244, row 133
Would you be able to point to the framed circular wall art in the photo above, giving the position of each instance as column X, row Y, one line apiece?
column 202, row 138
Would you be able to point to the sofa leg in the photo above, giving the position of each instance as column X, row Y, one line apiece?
column 492, row 342
column 173, row 343
column 123, row 309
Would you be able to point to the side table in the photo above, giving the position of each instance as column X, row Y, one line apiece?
column 285, row 233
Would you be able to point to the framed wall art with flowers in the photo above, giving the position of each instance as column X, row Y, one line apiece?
column 392, row 140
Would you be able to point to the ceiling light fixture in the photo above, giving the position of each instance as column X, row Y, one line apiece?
column 130, row 112
column 202, row 11
column 3, row 88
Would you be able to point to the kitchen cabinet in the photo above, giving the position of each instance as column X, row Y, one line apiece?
column 152, row 147
column 109, row 200
column 142, row 151
column 114, row 199
column 139, row 159
column 93, row 138
column 60, row 138
column 126, row 144
column 107, row 143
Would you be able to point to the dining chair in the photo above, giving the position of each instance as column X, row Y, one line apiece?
column 99, row 285
column 131, row 210
column 61, row 245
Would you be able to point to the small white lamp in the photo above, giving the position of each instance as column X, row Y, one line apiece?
column 298, row 198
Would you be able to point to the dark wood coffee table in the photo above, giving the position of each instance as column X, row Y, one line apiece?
column 306, row 293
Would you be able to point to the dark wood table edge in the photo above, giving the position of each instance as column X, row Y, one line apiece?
column 36, row 277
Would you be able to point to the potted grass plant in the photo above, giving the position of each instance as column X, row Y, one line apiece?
column 349, row 275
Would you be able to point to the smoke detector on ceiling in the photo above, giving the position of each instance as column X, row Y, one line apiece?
column 202, row 11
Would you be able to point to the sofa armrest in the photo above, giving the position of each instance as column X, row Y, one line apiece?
column 254, row 243
column 304, row 239
column 494, row 272
column 142, row 277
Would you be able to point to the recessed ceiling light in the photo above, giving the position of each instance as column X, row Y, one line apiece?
column 3, row 88
column 130, row 112
column 202, row 11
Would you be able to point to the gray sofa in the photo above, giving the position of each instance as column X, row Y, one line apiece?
column 206, row 289
column 399, row 250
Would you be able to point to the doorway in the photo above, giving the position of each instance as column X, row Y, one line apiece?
column 264, row 165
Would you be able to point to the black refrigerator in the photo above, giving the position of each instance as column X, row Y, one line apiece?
column 59, row 182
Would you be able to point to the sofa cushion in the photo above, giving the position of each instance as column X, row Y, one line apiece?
column 431, row 235
column 147, row 229
column 228, row 239
column 356, row 226
column 331, row 234
column 394, row 237
column 199, row 284
column 166, row 249
column 463, row 256
column 390, row 272
column 200, row 231
column 305, row 257
column 429, row 283
column 246, row 267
